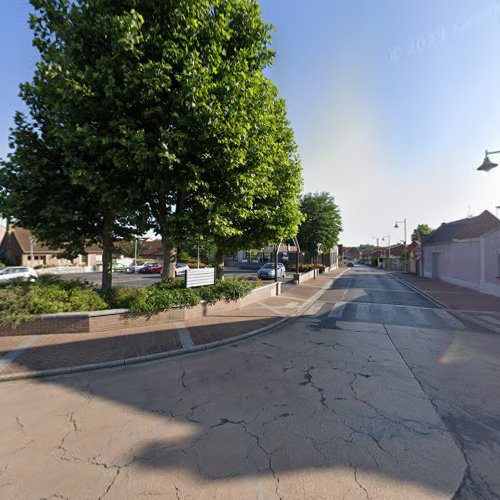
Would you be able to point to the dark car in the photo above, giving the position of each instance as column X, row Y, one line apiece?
column 350, row 264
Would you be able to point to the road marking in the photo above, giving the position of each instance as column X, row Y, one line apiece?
column 489, row 319
column 389, row 315
column 25, row 344
column 184, row 336
column 292, row 305
column 337, row 310
column 418, row 316
column 449, row 319
column 275, row 310
column 362, row 312
column 314, row 309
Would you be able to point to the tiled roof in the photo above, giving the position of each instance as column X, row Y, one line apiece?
column 464, row 229
column 23, row 237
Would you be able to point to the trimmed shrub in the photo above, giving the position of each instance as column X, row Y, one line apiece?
column 19, row 301
column 231, row 289
column 160, row 296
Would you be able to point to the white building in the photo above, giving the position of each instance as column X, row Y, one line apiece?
column 466, row 253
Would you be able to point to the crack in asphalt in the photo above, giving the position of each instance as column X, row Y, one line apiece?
column 308, row 380
column 357, row 480
column 243, row 424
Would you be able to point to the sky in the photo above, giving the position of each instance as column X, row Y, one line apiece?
column 393, row 103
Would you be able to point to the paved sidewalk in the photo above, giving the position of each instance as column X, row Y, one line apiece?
column 36, row 355
column 480, row 308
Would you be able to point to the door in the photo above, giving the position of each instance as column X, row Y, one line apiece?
column 435, row 266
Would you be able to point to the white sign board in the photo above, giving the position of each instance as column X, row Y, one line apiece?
column 199, row 277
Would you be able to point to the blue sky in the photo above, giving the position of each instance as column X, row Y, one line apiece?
column 392, row 102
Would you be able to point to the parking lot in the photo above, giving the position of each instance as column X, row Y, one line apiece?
column 137, row 280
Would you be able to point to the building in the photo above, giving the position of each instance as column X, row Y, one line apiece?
column 20, row 248
column 465, row 252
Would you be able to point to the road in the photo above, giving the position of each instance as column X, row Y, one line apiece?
column 373, row 393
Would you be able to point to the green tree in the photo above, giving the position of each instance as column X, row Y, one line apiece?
column 256, row 202
column 420, row 232
column 68, row 179
column 322, row 221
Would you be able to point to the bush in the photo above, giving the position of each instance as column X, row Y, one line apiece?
column 305, row 268
column 19, row 301
column 161, row 296
column 231, row 289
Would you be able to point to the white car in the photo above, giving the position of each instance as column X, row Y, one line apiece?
column 267, row 271
column 18, row 273
column 181, row 268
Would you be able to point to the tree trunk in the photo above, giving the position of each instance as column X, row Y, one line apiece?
column 169, row 260
column 219, row 260
column 107, row 255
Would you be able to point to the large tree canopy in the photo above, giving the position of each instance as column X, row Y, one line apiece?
column 322, row 221
column 152, row 114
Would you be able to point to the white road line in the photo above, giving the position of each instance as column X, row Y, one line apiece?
column 292, row 305
column 362, row 312
column 184, row 336
column 337, row 310
column 25, row 344
column 389, row 315
column 449, row 319
column 314, row 309
column 275, row 310
column 418, row 316
column 489, row 319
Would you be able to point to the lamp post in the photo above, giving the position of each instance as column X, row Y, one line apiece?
column 32, row 244
column 487, row 164
column 396, row 227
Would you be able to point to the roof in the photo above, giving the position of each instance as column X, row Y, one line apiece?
column 23, row 237
column 464, row 229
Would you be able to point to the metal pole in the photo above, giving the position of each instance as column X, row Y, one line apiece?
column 277, row 249
column 31, row 250
column 135, row 255
column 198, row 256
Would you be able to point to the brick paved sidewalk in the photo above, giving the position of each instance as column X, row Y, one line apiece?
column 20, row 355
column 482, row 308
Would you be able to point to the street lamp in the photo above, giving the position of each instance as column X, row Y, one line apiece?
column 401, row 222
column 487, row 164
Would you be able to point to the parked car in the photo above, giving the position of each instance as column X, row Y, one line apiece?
column 267, row 271
column 180, row 268
column 156, row 269
column 143, row 268
column 350, row 264
column 18, row 273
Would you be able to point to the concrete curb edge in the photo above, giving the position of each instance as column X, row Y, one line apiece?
column 170, row 354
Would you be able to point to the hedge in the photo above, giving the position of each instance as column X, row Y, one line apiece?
column 20, row 301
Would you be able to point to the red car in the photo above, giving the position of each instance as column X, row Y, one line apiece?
column 157, row 269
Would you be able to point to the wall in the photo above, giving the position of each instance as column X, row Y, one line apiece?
column 490, row 282
column 472, row 263
column 459, row 262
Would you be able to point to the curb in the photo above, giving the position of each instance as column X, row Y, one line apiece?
column 442, row 305
column 177, row 352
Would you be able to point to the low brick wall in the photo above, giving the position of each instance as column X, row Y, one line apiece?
column 300, row 278
column 116, row 319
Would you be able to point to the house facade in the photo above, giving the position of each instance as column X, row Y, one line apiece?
column 466, row 253
column 19, row 247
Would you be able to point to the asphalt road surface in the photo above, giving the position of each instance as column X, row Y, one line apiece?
column 138, row 280
column 373, row 393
